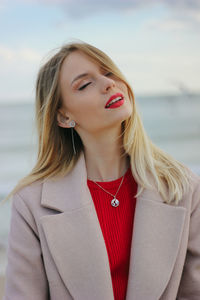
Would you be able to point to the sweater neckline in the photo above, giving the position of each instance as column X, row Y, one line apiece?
column 110, row 184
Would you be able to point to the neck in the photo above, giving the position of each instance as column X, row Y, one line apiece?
column 105, row 157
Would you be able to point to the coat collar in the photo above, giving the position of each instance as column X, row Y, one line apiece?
column 74, row 237
column 67, row 193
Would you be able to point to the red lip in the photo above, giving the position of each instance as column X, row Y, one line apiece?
column 113, row 97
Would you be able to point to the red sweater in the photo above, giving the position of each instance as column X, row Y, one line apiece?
column 117, row 226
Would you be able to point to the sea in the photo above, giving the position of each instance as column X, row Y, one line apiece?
column 171, row 121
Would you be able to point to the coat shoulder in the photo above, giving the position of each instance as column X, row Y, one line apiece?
column 194, row 181
column 193, row 192
column 29, row 193
column 27, row 201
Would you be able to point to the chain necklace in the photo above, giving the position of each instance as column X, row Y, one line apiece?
column 115, row 201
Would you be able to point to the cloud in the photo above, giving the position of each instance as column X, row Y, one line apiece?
column 186, row 13
column 181, row 14
column 86, row 7
column 6, row 53
column 176, row 22
column 3, row 6
column 183, row 4
column 18, row 71
column 168, row 24
column 25, row 54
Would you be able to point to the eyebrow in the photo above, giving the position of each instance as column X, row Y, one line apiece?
column 78, row 77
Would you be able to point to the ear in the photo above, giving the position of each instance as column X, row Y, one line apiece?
column 62, row 120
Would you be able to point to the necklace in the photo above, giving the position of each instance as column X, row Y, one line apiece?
column 115, row 201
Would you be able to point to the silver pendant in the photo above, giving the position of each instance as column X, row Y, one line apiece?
column 115, row 202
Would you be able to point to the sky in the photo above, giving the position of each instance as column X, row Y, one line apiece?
column 155, row 43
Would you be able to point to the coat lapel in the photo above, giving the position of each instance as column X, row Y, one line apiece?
column 75, row 238
column 155, row 244
column 77, row 245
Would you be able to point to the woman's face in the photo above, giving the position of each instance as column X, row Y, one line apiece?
column 85, row 90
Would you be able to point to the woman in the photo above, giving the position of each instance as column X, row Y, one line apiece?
column 104, row 214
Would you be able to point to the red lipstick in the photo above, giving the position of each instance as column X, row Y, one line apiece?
column 116, row 104
column 119, row 98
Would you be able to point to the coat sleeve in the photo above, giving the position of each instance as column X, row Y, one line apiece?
column 25, row 273
column 190, row 282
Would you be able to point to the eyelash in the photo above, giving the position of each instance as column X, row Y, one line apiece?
column 85, row 85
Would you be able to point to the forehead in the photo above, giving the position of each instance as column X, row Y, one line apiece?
column 76, row 63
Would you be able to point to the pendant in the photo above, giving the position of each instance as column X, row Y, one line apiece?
column 115, row 202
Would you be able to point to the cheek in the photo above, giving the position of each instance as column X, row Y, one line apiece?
column 66, row 104
column 90, row 115
column 124, row 87
column 85, row 110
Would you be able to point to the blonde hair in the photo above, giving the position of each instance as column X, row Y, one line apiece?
column 55, row 150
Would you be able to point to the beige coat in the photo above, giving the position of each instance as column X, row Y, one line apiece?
column 57, row 250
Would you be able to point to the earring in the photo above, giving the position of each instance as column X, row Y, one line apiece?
column 72, row 124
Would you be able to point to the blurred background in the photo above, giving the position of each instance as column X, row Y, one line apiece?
column 155, row 43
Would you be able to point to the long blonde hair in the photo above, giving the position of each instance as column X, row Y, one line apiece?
column 55, row 151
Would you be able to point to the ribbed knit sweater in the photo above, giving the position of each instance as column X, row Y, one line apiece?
column 117, row 226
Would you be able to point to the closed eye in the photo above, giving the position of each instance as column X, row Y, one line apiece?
column 109, row 74
column 84, row 86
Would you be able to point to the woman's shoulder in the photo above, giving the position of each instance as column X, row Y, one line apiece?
column 194, row 179
column 28, row 197
column 193, row 192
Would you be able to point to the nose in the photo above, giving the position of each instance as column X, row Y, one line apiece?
column 107, row 84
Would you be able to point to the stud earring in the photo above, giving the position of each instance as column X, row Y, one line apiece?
column 72, row 123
